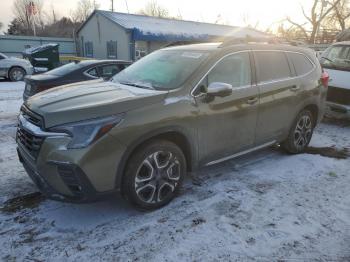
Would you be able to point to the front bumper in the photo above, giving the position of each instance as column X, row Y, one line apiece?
column 76, row 181
column 74, row 175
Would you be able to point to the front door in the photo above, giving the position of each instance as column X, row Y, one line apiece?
column 227, row 124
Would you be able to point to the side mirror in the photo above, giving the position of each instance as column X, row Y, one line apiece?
column 219, row 89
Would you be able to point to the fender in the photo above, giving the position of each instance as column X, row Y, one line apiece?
column 187, row 133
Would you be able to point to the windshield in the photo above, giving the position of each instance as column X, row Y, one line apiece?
column 65, row 69
column 162, row 70
column 336, row 57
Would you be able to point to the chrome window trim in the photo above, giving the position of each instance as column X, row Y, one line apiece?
column 258, row 83
column 36, row 130
column 286, row 78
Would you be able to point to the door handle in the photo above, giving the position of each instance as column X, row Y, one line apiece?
column 294, row 88
column 252, row 100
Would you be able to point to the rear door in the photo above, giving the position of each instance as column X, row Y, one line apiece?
column 278, row 89
column 226, row 125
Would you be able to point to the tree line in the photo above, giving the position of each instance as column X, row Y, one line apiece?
column 323, row 16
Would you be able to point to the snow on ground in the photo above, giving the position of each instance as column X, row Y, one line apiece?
column 266, row 206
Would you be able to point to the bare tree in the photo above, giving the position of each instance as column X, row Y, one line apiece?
column 152, row 8
column 340, row 14
column 319, row 11
column 83, row 10
column 1, row 25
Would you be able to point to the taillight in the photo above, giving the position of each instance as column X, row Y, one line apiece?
column 325, row 78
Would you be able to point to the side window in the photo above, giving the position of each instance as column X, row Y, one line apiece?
column 272, row 65
column 93, row 72
column 107, row 71
column 112, row 49
column 1, row 57
column 301, row 63
column 234, row 69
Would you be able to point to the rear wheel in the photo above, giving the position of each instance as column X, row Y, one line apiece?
column 17, row 74
column 154, row 174
column 300, row 134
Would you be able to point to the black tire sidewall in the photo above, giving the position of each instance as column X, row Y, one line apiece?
column 135, row 160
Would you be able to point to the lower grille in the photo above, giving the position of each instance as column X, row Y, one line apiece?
column 29, row 141
column 338, row 95
column 68, row 175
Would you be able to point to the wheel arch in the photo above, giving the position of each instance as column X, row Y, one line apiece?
column 173, row 134
column 313, row 108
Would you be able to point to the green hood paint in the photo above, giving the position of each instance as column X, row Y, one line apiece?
column 89, row 99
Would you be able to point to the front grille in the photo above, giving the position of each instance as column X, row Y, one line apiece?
column 29, row 141
column 338, row 95
column 33, row 118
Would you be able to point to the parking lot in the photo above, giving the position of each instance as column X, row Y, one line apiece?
column 265, row 206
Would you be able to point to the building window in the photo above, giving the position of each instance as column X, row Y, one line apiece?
column 112, row 49
column 89, row 50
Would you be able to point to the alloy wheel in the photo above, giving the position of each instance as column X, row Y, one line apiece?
column 17, row 74
column 157, row 177
column 303, row 132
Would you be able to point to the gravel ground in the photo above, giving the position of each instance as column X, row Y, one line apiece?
column 265, row 206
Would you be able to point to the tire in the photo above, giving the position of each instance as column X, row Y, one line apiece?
column 17, row 74
column 300, row 133
column 154, row 175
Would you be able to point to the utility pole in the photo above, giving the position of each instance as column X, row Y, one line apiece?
column 112, row 5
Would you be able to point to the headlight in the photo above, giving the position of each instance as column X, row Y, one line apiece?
column 84, row 133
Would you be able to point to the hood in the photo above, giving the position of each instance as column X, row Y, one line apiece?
column 89, row 99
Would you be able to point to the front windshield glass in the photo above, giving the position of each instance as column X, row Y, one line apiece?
column 65, row 69
column 336, row 57
column 162, row 70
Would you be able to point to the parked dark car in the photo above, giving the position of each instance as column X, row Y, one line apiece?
column 72, row 73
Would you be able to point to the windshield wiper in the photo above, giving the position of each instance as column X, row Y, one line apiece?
column 329, row 60
column 136, row 85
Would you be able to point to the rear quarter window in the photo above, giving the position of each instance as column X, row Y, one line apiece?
column 302, row 64
column 272, row 65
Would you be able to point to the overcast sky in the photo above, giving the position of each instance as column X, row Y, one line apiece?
column 232, row 11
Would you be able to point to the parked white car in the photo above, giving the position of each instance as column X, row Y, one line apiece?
column 14, row 68
column 336, row 61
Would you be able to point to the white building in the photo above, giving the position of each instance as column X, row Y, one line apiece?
column 114, row 35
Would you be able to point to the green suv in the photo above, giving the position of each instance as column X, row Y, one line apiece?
column 173, row 111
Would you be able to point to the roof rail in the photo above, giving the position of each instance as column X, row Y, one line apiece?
column 228, row 41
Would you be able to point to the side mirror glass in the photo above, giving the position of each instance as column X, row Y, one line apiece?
column 219, row 89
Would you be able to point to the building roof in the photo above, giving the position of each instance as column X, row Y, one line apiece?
column 150, row 28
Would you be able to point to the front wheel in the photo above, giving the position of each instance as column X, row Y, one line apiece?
column 154, row 174
column 16, row 74
column 300, row 133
